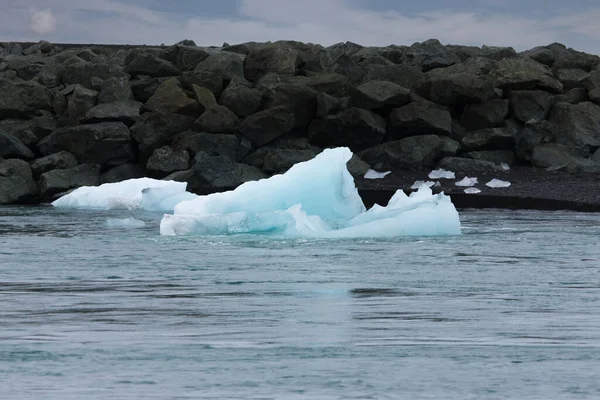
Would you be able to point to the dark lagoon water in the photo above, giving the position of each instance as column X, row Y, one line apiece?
column 508, row 310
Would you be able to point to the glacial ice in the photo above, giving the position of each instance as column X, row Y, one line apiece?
column 472, row 190
column 497, row 183
column 418, row 184
column 441, row 174
column 466, row 181
column 372, row 174
column 124, row 223
column 505, row 166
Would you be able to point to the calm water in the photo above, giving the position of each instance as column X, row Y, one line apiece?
column 508, row 310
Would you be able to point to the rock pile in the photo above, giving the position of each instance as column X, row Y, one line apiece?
column 217, row 117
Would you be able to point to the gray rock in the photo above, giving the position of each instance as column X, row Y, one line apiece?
column 62, row 180
column 408, row 153
column 16, row 182
column 354, row 127
column 429, row 55
column 144, row 87
column 213, row 144
column 596, row 156
column 529, row 105
column 217, row 119
column 126, row 111
column 25, row 136
column 276, row 58
column 186, row 57
column 417, row 119
column 457, row 88
column 281, row 155
column 327, row 104
column 554, row 156
column 209, row 174
column 61, row 160
column 122, row 173
column 357, row 167
column 488, row 115
column 204, row 97
column 23, row 99
column 107, row 143
column 592, row 84
column 576, row 124
column 154, row 130
column 170, row 98
column 43, row 125
column 490, row 138
column 300, row 100
column 247, row 173
column 376, row 94
column 42, row 46
column 332, row 84
column 495, row 156
column 80, row 102
column 242, row 100
column 11, row 147
column 573, row 96
column 497, row 53
column 224, row 63
column 151, row 65
column 83, row 73
column 534, row 133
column 211, row 80
column 571, row 78
column 402, row 75
column 115, row 89
column 468, row 165
column 524, row 74
column 165, row 160
column 266, row 126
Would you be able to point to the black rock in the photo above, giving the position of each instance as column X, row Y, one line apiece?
column 115, row 89
column 126, row 111
column 16, row 182
column 165, row 160
column 266, row 126
column 468, row 165
column 417, row 119
column 376, row 94
column 23, row 99
column 151, row 65
column 61, row 160
column 62, row 180
column 213, row 144
column 169, row 97
column 487, row 115
column 242, row 100
column 527, row 105
column 217, row 119
column 81, row 100
column 276, row 58
column 154, row 130
column 299, row 99
column 11, row 147
column 122, row 173
column 490, row 139
column 576, row 124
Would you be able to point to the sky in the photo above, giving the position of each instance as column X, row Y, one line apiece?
column 522, row 24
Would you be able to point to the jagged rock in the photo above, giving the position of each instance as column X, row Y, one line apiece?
column 408, row 153
column 357, row 167
column 468, row 165
column 557, row 156
column 43, row 125
column 204, row 97
column 115, row 89
column 455, row 88
column 299, row 99
column 490, row 138
column 224, row 63
column 429, row 55
column 529, row 105
column 376, row 94
column 497, row 53
column 576, row 124
column 332, row 84
column 573, row 96
column 534, row 133
column 62, row 180
column 80, row 102
column 151, row 65
column 242, row 100
column 327, row 104
column 495, row 156
column 275, row 57
column 487, row 115
column 11, row 147
column 107, row 143
column 122, row 173
column 170, row 98
column 23, row 99
column 571, row 78
column 154, row 130
column 25, row 135
column 126, row 111
column 213, row 144
column 217, row 119
column 42, row 46
column 416, row 119
column 211, row 80
column 165, row 160
column 353, row 127
column 281, row 155
column 83, row 73
column 61, row 160
column 26, row 67
column 524, row 74
column 592, row 84
column 144, row 87
column 247, row 173
column 16, row 182
column 558, row 56
column 186, row 57
column 402, row 75
column 266, row 126
column 465, row 52
column 209, row 174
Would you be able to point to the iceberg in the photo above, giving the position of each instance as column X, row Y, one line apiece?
column 472, row 190
column 466, row 181
column 418, row 184
column 441, row 174
column 497, row 183
column 372, row 174
column 315, row 198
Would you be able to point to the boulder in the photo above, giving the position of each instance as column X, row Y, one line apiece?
column 571, row 78
column 62, row 180
column 429, row 55
column 468, row 165
column 11, row 147
column 457, row 88
column 170, row 98
column 357, row 167
column 490, row 138
column 534, row 133
column 213, row 144
column 204, row 97
column 80, row 102
column 332, row 84
column 43, row 125
column 555, row 156
column 144, row 87
column 266, row 126
column 576, row 124
column 354, row 127
column 281, row 155
column 84, row 73
column 165, row 160
column 300, row 100
column 122, row 173
column 209, row 174
column 275, row 57
column 327, row 104
column 115, row 89
column 126, row 111
column 497, row 53
column 524, row 74
column 241, row 99
column 16, row 182
column 402, row 75
column 211, row 80
column 24, row 135
column 224, row 63
column 107, row 143
column 487, row 115
column 376, row 94
column 247, row 173
column 20, row 99
column 61, row 160
column 409, row 153
column 592, row 84
column 529, row 105
column 186, row 57
column 217, row 119
column 573, row 96
column 26, row 67
column 495, row 156
column 417, row 119
column 154, row 130
column 42, row 47
column 151, row 65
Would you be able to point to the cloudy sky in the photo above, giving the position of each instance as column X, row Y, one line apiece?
column 519, row 23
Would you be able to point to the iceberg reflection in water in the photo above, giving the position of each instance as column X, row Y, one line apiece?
column 316, row 198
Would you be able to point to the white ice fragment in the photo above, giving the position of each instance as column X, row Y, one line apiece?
column 472, row 190
column 466, row 181
column 418, row 184
column 124, row 223
column 372, row 174
column 505, row 166
column 441, row 174
column 497, row 183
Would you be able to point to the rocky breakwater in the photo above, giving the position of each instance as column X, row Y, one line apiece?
column 216, row 117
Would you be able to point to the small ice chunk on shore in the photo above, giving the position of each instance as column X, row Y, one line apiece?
column 441, row 174
column 372, row 174
column 505, row 166
column 466, row 182
column 497, row 183
column 472, row 190
column 124, row 223
column 418, row 184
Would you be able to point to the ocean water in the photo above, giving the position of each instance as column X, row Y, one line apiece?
column 97, row 310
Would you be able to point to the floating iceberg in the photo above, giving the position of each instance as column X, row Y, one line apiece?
column 316, row 198
column 372, row 174
column 466, row 181
column 497, row 183
column 441, row 174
